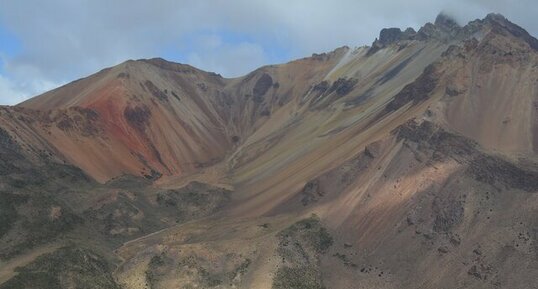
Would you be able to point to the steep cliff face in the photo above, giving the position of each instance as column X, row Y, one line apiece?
column 417, row 156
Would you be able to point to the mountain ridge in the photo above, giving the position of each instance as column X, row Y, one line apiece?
column 410, row 163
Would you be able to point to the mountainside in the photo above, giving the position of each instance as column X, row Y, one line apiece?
column 153, row 117
column 410, row 163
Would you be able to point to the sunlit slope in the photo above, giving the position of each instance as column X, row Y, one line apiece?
column 154, row 118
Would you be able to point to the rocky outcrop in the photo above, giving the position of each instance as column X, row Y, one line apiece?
column 417, row 91
column 388, row 36
column 263, row 84
column 444, row 28
column 138, row 117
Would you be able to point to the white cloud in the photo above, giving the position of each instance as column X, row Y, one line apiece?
column 14, row 91
column 231, row 60
column 8, row 93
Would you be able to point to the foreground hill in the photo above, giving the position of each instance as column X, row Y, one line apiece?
column 411, row 163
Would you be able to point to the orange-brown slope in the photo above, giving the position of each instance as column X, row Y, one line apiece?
column 135, row 131
column 153, row 117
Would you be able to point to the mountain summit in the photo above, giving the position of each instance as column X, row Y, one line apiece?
column 444, row 20
column 412, row 163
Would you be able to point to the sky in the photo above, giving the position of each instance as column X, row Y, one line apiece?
column 45, row 44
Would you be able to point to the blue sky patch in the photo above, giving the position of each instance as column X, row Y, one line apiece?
column 9, row 44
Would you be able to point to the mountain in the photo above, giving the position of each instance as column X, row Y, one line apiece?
column 410, row 163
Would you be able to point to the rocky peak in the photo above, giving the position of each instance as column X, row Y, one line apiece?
column 446, row 22
column 501, row 25
column 389, row 36
column 169, row 65
column 444, row 28
column 496, row 17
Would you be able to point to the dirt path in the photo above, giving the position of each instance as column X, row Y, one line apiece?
column 7, row 269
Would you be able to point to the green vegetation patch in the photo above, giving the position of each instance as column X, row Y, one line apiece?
column 8, row 212
column 193, row 201
column 305, row 277
column 300, row 247
column 205, row 278
column 68, row 267
column 41, row 224
column 307, row 237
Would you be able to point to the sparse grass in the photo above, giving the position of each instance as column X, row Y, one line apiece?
column 68, row 267
column 154, row 265
column 241, row 269
column 204, row 274
column 344, row 258
column 300, row 246
column 308, row 232
column 37, row 227
column 307, row 277
column 193, row 201
column 8, row 213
